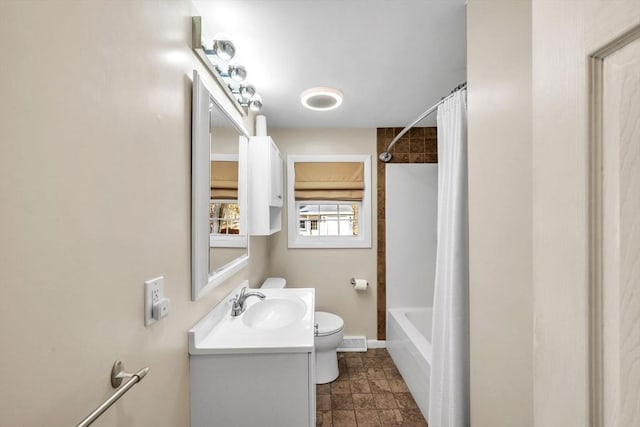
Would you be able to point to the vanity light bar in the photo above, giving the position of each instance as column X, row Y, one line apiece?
column 221, row 52
column 232, row 77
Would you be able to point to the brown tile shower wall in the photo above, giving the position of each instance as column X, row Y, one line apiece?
column 419, row 145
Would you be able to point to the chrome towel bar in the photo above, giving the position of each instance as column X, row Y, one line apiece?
column 117, row 376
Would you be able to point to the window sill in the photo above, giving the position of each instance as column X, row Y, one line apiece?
column 316, row 243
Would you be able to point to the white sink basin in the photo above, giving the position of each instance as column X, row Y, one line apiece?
column 274, row 313
column 282, row 323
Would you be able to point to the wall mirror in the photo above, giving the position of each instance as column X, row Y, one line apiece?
column 219, row 242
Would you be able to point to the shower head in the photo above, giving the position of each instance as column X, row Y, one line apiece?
column 385, row 157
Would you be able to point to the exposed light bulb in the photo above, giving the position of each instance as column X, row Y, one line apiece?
column 247, row 92
column 237, row 72
column 256, row 103
column 224, row 49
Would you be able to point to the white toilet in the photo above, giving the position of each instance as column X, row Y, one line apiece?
column 328, row 336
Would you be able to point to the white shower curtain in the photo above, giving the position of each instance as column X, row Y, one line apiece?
column 449, row 385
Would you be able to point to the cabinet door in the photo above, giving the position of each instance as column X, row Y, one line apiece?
column 276, row 166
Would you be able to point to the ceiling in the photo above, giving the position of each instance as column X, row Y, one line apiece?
column 392, row 59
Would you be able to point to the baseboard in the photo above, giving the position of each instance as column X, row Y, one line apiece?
column 353, row 343
column 359, row 343
column 376, row 344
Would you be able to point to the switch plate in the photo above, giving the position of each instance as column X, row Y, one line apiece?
column 153, row 293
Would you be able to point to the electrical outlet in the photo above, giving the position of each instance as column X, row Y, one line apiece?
column 153, row 293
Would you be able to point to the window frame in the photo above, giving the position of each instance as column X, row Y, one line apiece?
column 362, row 240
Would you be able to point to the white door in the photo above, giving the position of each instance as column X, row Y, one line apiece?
column 619, row 344
column 586, row 179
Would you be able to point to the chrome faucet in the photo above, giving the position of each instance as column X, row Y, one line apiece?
column 237, row 307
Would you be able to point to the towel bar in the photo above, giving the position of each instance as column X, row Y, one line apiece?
column 117, row 376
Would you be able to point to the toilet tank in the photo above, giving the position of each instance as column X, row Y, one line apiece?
column 274, row 283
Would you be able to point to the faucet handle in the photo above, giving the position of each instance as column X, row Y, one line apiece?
column 242, row 292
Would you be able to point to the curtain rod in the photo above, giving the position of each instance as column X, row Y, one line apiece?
column 386, row 155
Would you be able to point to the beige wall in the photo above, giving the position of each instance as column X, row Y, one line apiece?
column 500, row 200
column 95, row 188
column 330, row 270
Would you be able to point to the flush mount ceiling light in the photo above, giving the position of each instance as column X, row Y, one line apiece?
column 321, row 98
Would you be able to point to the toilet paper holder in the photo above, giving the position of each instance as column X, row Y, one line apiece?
column 353, row 282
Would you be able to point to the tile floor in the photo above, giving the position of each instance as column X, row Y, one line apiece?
column 368, row 392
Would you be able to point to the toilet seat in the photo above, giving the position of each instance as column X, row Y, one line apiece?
column 328, row 323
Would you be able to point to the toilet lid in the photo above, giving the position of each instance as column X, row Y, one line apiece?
column 328, row 323
column 274, row 283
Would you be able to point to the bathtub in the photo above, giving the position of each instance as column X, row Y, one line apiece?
column 409, row 344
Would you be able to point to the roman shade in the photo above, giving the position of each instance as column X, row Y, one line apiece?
column 341, row 181
column 224, row 180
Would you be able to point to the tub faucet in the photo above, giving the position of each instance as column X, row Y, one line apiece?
column 238, row 307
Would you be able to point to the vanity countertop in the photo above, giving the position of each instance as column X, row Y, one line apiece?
column 220, row 333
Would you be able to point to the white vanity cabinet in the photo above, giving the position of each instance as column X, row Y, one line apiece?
column 266, row 186
column 248, row 390
column 246, row 372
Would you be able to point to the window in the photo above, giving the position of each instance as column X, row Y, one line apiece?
column 329, row 201
column 328, row 218
column 224, row 217
column 224, row 209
